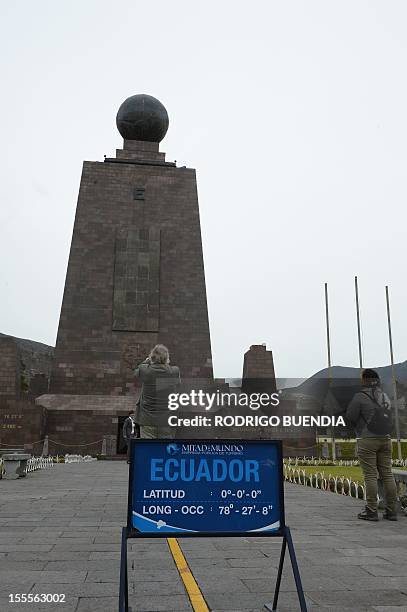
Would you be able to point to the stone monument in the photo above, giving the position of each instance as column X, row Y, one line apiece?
column 135, row 275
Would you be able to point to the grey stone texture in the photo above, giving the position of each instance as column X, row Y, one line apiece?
column 135, row 278
column 258, row 364
column 21, row 422
column 113, row 265
column 60, row 533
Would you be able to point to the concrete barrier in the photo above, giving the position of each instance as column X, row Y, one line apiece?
column 15, row 465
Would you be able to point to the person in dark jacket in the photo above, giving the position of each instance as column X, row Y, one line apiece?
column 130, row 430
column 374, row 449
column 158, row 379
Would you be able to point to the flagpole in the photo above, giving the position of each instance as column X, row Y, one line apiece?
column 393, row 375
column 328, row 337
column 328, row 345
column 358, row 323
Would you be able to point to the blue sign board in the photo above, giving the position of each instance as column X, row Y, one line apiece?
column 193, row 487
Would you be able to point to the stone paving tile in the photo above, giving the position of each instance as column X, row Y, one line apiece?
column 234, row 602
column 158, row 603
column 12, row 587
column 347, row 598
column 329, row 559
column 82, row 564
column 109, row 555
column 111, row 575
column 151, row 604
column 386, row 569
column 316, row 608
column 13, row 538
column 21, row 566
column 25, row 547
column 68, row 606
column 206, row 573
column 92, row 604
column 151, row 588
column 288, row 584
column 260, row 562
column 156, row 575
column 240, row 610
column 372, row 583
column 69, row 577
column 224, row 584
column 60, row 532
column 367, row 551
column 84, row 589
column 390, row 608
column 59, row 555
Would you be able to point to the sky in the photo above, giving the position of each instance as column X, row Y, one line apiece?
column 294, row 115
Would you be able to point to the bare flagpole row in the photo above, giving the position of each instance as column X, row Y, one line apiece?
column 328, row 340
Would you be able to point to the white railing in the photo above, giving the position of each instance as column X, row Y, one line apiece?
column 342, row 485
column 314, row 461
column 33, row 464
column 79, row 458
column 39, row 463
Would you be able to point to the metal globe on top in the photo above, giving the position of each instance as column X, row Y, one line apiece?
column 142, row 117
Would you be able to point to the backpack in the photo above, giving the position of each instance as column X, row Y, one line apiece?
column 381, row 422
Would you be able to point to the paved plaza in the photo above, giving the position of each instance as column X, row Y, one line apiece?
column 60, row 533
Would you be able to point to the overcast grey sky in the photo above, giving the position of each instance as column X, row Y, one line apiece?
column 294, row 115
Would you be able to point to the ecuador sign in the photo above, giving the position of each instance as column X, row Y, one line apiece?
column 224, row 487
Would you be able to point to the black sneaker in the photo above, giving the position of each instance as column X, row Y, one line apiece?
column 368, row 515
column 390, row 516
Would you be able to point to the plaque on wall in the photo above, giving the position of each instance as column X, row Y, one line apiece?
column 137, row 280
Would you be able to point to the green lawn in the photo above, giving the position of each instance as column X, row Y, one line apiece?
column 347, row 450
column 355, row 473
column 349, row 472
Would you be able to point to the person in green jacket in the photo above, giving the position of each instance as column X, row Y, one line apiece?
column 158, row 379
column 370, row 414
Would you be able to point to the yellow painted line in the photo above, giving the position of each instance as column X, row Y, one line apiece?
column 196, row 598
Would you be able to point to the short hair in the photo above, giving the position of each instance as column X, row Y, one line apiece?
column 371, row 376
column 160, row 354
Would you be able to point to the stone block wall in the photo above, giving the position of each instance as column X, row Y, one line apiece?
column 78, row 423
column 22, row 425
column 258, row 370
column 9, row 369
column 135, row 193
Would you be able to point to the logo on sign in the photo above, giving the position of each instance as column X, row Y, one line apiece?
column 172, row 449
column 212, row 449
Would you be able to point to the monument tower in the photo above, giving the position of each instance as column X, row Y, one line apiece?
column 135, row 275
column 135, row 278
